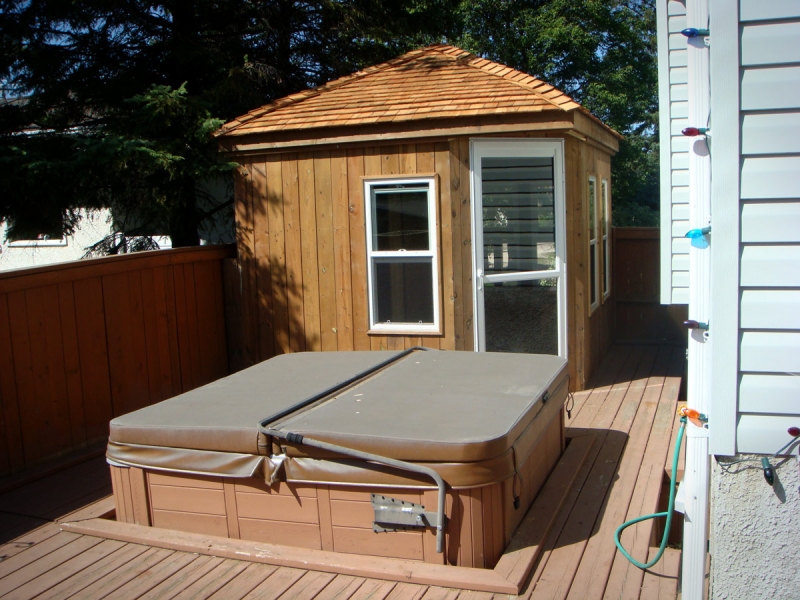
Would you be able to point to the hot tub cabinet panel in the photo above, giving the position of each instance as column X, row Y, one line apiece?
column 324, row 501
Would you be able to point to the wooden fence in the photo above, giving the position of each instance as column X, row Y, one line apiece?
column 639, row 316
column 82, row 342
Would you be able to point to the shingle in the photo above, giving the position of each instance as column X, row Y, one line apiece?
column 439, row 81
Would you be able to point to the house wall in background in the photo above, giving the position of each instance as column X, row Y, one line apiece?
column 754, row 531
column 94, row 225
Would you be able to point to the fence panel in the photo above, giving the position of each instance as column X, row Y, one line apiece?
column 82, row 342
column 639, row 316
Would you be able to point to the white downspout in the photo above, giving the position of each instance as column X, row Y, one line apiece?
column 696, row 477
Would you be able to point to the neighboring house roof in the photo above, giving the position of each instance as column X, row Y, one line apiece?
column 436, row 82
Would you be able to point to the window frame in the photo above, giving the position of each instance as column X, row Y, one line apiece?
column 432, row 255
column 605, row 215
column 593, row 230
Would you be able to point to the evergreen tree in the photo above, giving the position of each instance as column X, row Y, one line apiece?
column 111, row 103
column 600, row 52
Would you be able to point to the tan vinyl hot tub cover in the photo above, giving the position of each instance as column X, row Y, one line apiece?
column 449, row 410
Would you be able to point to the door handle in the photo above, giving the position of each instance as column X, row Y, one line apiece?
column 479, row 279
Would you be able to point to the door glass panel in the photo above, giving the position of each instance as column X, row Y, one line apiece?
column 400, row 219
column 522, row 316
column 404, row 290
column 518, row 214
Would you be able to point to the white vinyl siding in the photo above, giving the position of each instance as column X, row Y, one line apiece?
column 776, row 394
column 759, row 10
column 764, row 221
column 771, row 309
column 673, row 117
column 769, row 278
column 770, row 88
column 771, row 133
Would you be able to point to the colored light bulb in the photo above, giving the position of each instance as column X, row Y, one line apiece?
column 696, row 233
column 794, row 431
column 694, row 131
column 691, row 32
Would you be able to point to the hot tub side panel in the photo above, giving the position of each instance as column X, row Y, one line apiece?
column 339, row 518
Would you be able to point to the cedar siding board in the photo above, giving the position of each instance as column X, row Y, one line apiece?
column 300, row 198
column 324, row 302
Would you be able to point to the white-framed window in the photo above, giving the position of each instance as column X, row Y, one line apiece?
column 605, row 225
column 43, row 229
column 402, row 257
column 594, row 255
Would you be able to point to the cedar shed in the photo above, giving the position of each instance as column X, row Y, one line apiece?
column 438, row 199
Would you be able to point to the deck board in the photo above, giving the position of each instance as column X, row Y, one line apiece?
column 629, row 410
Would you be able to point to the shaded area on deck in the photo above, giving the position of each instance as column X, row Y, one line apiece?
column 631, row 412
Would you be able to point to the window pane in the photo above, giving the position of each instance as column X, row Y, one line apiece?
column 518, row 214
column 404, row 291
column 604, row 200
column 593, row 272
column 400, row 218
column 592, row 200
column 522, row 316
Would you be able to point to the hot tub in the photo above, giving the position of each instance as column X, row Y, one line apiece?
column 342, row 451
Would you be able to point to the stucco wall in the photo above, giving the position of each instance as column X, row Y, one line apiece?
column 754, row 531
column 93, row 226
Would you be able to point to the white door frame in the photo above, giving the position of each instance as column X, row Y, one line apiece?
column 518, row 147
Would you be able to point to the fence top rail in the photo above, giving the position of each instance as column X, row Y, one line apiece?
column 20, row 279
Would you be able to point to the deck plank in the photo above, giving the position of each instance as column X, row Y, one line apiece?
column 635, row 491
column 146, row 581
column 629, row 411
column 556, row 579
column 87, row 576
column 276, row 584
column 31, row 533
column 53, row 577
column 184, row 577
column 244, row 582
column 309, row 585
column 212, row 581
column 34, row 553
column 661, row 581
column 341, row 588
column 373, row 589
column 45, row 563
column 119, row 577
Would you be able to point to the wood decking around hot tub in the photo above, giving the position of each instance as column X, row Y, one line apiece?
column 626, row 424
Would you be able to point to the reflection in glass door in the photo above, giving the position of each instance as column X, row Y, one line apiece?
column 519, row 243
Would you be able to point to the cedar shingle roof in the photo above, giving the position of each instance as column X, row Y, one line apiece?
column 436, row 82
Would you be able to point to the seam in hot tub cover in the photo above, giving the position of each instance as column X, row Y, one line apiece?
column 336, row 469
column 434, row 406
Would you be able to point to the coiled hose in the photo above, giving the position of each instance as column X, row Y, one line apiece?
column 668, row 513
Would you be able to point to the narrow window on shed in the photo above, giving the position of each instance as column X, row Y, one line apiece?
column 594, row 259
column 402, row 255
column 605, row 222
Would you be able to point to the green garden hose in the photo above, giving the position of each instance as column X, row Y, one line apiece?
column 667, row 513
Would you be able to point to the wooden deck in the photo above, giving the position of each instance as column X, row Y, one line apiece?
column 627, row 423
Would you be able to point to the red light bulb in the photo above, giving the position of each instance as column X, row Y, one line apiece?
column 694, row 131
column 794, row 431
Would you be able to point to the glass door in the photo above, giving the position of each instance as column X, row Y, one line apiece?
column 520, row 249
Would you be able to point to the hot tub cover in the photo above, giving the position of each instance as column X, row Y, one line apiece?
column 445, row 408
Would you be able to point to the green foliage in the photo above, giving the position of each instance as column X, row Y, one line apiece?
column 109, row 104
column 600, row 52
